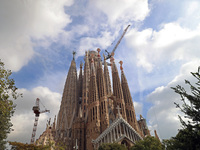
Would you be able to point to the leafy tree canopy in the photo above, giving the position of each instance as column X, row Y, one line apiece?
column 112, row 146
column 22, row 146
column 49, row 146
column 149, row 143
column 8, row 92
column 188, row 138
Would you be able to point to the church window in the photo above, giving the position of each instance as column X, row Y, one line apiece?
column 100, row 112
column 130, row 113
column 102, row 107
column 93, row 113
column 96, row 111
column 127, row 113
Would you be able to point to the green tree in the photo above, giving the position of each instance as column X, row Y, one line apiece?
column 8, row 92
column 22, row 146
column 112, row 146
column 148, row 143
column 189, row 136
column 49, row 146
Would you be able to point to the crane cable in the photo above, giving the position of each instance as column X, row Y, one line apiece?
column 42, row 104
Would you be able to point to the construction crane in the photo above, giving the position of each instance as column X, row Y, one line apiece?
column 37, row 112
column 113, row 51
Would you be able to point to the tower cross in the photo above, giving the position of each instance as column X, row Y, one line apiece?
column 74, row 53
column 118, row 109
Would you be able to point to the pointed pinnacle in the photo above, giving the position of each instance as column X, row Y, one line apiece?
column 74, row 53
column 121, row 68
column 98, row 50
column 81, row 64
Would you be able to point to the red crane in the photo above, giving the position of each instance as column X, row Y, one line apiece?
column 37, row 112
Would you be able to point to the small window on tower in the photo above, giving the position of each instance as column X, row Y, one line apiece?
column 110, row 121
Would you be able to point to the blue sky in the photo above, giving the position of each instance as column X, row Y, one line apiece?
column 159, row 50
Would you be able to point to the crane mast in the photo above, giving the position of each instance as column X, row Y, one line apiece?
column 37, row 112
column 113, row 51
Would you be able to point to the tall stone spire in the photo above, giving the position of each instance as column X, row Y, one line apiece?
column 130, row 110
column 107, row 78
column 68, row 105
column 80, row 88
column 102, row 95
column 117, row 90
column 93, row 123
column 80, row 80
column 85, row 87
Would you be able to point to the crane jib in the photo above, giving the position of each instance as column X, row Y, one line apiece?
column 113, row 51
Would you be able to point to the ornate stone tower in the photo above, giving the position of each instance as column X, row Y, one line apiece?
column 103, row 107
column 117, row 90
column 68, row 107
column 85, row 86
column 93, row 122
column 90, row 113
column 130, row 110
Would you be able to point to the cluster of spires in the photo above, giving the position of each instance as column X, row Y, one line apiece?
column 89, row 104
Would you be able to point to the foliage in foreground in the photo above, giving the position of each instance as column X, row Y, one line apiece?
column 112, row 146
column 22, row 146
column 8, row 92
column 149, row 143
column 188, row 138
column 50, row 146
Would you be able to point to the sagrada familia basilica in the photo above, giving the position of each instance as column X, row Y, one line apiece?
column 93, row 112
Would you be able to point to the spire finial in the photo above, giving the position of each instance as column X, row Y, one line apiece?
column 104, row 57
column 74, row 53
column 112, row 59
column 81, row 65
column 92, row 56
column 98, row 50
column 121, row 68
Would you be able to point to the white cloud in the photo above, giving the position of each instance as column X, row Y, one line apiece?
column 92, row 43
column 172, row 42
column 23, row 118
column 25, row 21
column 138, row 108
column 103, row 21
column 126, row 11
column 191, row 13
column 163, row 115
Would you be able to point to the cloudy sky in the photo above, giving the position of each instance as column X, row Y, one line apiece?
column 159, row 51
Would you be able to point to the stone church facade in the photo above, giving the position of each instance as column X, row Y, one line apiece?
column 93, row 112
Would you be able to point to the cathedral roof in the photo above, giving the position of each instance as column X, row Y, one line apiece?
column 132, row 135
